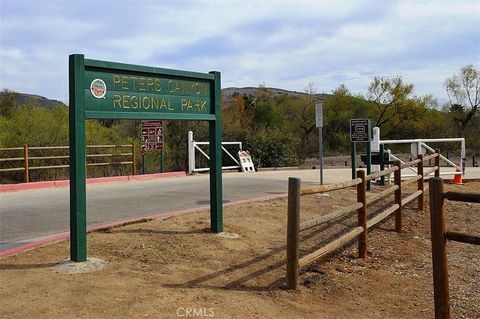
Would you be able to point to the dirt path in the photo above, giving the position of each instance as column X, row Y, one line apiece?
column 176, row 268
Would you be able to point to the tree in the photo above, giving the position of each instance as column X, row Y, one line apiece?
column 8, row 102
column 390, row 97
column 463, row 92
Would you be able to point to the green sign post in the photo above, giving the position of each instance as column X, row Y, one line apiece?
column 109, row 90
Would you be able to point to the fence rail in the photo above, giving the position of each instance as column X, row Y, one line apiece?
column 27, row 160
column 294, row 227
column 439, row 237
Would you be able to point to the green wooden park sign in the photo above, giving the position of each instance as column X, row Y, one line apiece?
column 109, row 90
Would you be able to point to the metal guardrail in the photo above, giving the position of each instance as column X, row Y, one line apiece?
column 27, row 160
column 194, row 146
column 294, row 227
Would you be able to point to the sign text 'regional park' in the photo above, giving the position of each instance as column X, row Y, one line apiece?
column 110, row 90
column 114, row 92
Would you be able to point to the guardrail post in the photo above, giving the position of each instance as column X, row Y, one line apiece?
column 437, row 162
column 26, row 177
column 362, row 215
column 293, row 230
column 439, row 249
column 134, row 160
column 420, row 182
column 397, row 176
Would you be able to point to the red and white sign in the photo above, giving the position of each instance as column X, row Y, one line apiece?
column 246, row 162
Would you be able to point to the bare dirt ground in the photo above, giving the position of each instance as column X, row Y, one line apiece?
column 176, row 268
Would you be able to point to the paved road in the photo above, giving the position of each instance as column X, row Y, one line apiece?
column 29, row 215
column 26, row 216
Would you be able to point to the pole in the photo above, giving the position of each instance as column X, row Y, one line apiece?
column 293, row 230
column 78, row 190
column 215, row 139
column 353, row 155
column 319, row 124
column 382, row 163
column 320, row 135
column 437, row 163
column 397, row 175
column 134, row 160
column 161, row 160
column 420, row 185
column 439, row 249
column 191, row 153
column 369, row 155
column 362, row 215
column 26, row 174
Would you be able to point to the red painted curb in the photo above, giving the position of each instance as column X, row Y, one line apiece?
column 54, row 238
column 26, row 186
column 158, row 175
column 98, row 180
column 42, row 242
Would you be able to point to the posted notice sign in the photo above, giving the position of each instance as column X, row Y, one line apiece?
column 152, row 135
column 319, row 114
column 359, row 130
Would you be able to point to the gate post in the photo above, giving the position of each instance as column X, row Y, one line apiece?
column 26, row 175
column 420, row 185
column 191, row 153
column 397, row 175
column 439, row 249
column 437, row 162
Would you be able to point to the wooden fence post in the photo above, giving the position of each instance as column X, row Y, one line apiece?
column 134, row 160
column 420, row 182
column 362, row 215
column 437, row 163
column 439, row 249
column 26, row 177
column 397, row 176
column 293, row 230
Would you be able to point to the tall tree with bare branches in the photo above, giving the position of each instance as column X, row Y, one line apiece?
column 463, row 90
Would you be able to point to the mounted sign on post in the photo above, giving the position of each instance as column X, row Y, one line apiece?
column 319, row 124
column 360, row 132
column 109, row 90
column 152, row 135
column 152, row 139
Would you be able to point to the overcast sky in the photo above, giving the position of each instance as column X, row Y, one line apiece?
column 284, row 44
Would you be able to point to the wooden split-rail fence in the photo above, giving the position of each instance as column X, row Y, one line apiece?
column 440, row 235
column 294, row 227
column 123, row 155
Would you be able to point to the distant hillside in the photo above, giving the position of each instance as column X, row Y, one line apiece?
column 25, row 98
column 227, row 94
column 254, row 91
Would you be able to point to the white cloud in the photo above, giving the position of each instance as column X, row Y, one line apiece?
column 284, row 43
column 13, row 54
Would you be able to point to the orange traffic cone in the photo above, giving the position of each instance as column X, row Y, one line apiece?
column 458, row 178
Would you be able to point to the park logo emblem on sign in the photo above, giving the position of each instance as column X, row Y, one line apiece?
column 98, row 88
